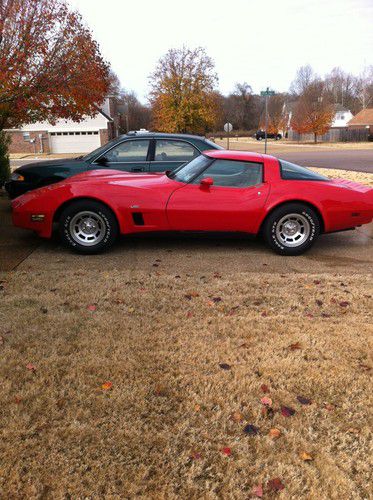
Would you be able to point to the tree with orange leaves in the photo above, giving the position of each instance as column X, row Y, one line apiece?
column 183, row 95
column 314, row 111
column 50, row 66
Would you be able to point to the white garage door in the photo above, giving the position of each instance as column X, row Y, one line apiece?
column 74, row 142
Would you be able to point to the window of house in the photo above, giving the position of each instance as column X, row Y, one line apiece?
column 231, row 173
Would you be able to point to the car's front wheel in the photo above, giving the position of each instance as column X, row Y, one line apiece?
column 291, row 229
column 87, row 226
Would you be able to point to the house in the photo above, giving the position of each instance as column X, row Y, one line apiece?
column 363, row 121
column 341, row 117
column 67, row 136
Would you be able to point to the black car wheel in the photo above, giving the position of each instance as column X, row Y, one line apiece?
column 291, row 229
column 88, row 227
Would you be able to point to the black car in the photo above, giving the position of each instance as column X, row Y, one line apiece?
column 133, row 152
column 260, row 135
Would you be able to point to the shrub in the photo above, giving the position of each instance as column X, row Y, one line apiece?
column 4, row 157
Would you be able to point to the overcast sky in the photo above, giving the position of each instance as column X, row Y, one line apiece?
column 257, row 41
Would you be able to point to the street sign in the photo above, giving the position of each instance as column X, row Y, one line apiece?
column 228, row 127
column 266, row 93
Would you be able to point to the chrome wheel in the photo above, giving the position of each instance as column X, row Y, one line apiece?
column 293, row 230
column 87, row 228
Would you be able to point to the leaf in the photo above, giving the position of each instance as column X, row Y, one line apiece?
column 226, row 451
column 44, row 310
column 31, row 367
column 264, row 388
column 275, row 484
column 344, row 303
column 1, row 339
column 92, row 308
column 294, row 347
column 225, row 366
column 257, row 490
column 319, row 302
column 251, row 430
column 195, row 455
column 197, row 408
column 106, row 386
column 216, row 299
column 236, row 416
column 304, row 401
column 274, row 433
column 191, row 295
column 306, row 457
column 266, row 401
column 286, row 411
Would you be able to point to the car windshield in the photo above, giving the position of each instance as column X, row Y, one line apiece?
column 98, row 151
column 187, row 172
column 290, row 171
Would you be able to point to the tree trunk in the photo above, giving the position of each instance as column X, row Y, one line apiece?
column 4, row 157
column 315, row 138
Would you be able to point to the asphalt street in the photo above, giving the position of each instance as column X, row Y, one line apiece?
column 360, row 160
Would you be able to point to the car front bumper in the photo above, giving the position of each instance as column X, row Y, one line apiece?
column 16, row 188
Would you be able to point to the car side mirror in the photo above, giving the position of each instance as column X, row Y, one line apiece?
column 103, row 161
column 207, row 182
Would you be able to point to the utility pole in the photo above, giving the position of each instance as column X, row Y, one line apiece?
column 266, row 93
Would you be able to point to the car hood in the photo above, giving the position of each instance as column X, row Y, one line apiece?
column 111, row 175
column 50, row 163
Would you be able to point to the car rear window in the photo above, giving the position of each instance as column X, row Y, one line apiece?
column 290, row 171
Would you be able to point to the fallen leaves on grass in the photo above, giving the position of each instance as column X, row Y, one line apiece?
column 274, row 433
column 257, row 490
column 195, row 455
column 191, row 295
column 275, row 484
column 224, row 366
column 236, row 416
column 264, row 388
column 31, row 367
column 266, row 401
column 304, row 401
column 92, row 307
column 251, row 430
column 306, row 457
column 295, row 346
column 286, row 411
column 344, row 303
column 106, row 386
column 226, row 451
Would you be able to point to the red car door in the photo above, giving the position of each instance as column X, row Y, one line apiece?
column 234, row 202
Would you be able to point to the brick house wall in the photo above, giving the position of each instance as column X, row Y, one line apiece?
column 20, row 145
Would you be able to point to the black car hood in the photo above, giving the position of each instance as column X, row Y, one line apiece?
column 60, row 162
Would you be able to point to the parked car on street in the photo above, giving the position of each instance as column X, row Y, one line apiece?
column 218, row 191
column 134, row 152
column 260, row 135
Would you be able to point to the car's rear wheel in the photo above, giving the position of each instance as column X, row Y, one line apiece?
column 88, row 227
column 291, row 229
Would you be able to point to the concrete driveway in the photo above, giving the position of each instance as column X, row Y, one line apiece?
column 350, row 251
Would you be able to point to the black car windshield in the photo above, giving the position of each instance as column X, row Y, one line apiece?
column 187, row 172
column 99, row 150
column 290, row 171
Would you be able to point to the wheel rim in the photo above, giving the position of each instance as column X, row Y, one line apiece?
column 293, row 230
column 87, row 228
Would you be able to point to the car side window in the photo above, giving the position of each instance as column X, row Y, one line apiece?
column 232, row 173
column 292, row 172
column 166, row 150
column 128, row 151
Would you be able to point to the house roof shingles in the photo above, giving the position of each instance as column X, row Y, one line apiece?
column 363, row 118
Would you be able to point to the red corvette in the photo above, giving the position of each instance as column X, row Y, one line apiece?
column 226, row 191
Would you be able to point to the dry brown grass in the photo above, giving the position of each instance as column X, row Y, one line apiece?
column 159, row 337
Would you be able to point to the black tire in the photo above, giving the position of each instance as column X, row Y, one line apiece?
column 106, row 226
column 305, row 220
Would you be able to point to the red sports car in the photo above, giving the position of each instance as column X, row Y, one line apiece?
column 226, row 191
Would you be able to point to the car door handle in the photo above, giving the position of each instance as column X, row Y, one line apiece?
column 139, row 169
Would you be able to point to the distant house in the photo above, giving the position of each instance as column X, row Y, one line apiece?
column 67, row 136
column 339, row 123
column 342, row 116
column 363, row 120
